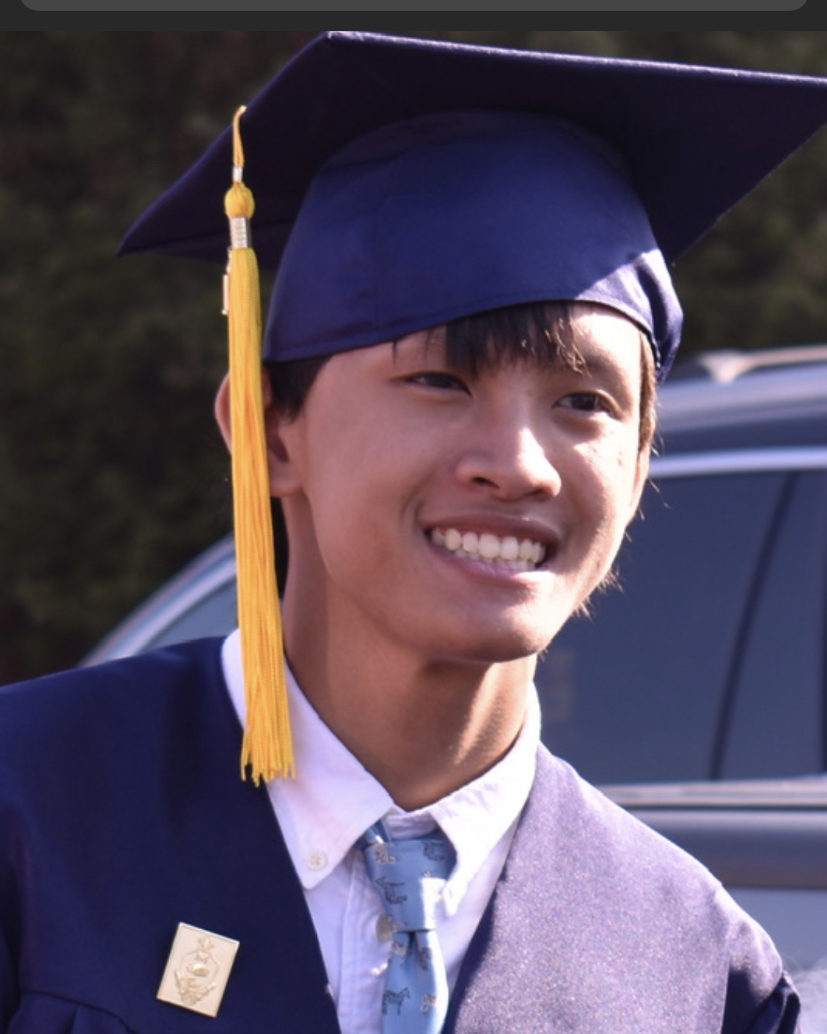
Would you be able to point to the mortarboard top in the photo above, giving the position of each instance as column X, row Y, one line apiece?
column 693, row 141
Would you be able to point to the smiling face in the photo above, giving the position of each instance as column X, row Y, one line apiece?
column 459, row 517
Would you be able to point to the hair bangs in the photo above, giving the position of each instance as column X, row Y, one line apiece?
column 542, row 332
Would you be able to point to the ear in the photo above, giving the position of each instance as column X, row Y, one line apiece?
column 221, row 409
column 279, row 462
column 641, row 477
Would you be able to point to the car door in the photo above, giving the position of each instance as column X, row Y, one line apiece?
column 710, row 653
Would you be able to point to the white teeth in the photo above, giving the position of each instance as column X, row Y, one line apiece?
column 489, row 546
column 518, row 554
column 510, row 549
column 453, row 540
column 530, row 551
column 470, row 542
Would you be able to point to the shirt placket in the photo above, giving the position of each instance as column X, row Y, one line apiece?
column 364, row 953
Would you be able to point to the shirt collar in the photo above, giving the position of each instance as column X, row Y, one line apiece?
column 335, row 799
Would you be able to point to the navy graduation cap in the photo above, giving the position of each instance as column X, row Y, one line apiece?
column 401, row 184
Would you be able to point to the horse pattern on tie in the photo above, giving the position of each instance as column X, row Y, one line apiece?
column 410, row 876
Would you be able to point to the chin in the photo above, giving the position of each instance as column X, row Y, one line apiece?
column 501, row 646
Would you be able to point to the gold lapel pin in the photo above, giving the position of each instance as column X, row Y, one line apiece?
column 197, row 969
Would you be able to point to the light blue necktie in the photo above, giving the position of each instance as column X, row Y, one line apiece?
column 410, row 876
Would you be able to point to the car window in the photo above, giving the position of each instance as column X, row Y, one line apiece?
column 777, row 722
column 634, row 694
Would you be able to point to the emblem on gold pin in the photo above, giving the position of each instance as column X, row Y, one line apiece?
column 197, row 969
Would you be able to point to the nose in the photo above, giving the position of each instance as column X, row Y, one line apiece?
column 511, row 463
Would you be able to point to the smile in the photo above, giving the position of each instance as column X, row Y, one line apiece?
column 516, row 554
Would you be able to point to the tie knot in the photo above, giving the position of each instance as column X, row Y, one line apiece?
column 409, row 875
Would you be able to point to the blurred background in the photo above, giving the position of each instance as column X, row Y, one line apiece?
column 111, row 473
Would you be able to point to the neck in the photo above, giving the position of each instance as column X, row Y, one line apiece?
column 421, row 728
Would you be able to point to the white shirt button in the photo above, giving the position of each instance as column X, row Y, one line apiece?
column 384, row 928
column 316, row 860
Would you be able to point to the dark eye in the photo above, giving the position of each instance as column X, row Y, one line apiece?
column 438, row 379
column 585, row 402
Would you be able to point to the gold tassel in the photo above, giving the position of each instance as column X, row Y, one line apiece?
column 267, row 747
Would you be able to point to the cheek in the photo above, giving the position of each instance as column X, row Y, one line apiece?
column 608, row 486
column 350, row 496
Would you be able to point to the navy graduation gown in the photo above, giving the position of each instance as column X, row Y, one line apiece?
column 122, row 813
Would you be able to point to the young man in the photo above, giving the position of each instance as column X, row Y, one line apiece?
column 471, row 309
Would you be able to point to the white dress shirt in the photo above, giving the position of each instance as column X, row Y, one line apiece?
column 324, row 811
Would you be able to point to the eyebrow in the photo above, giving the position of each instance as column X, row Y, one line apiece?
column 595, row 365
column 432, row 345
column 601, row 362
